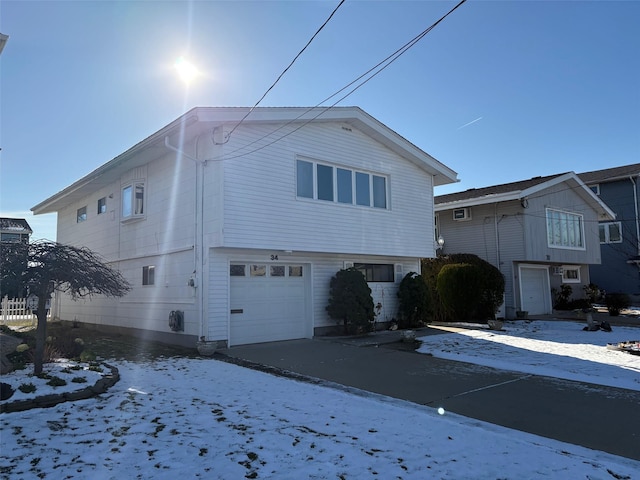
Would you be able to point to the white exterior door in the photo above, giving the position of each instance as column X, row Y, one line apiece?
column 535, row 293
column 268, row 302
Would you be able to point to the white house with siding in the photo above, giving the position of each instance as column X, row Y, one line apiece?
column 541, row 233
column 240, row 225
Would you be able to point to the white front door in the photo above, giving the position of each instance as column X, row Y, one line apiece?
column 535, row 294
column 268, row 302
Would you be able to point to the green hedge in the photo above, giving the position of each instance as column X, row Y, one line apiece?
column 487, row 300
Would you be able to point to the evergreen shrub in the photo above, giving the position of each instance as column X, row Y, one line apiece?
column 413, row 296
column 492, row 282
column 616, row 302
column 460, row 289
column 350, row 301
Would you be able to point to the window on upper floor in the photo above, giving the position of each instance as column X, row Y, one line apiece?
column 610, row 232
column 102, row 205
column 595, row 188
column 133, row 200
column 81, row 215
column 376, row 272
column 149, row 275
column 565, row 229
column 340, row 185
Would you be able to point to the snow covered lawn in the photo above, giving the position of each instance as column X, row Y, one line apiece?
column 551, row 348
column 202, row 418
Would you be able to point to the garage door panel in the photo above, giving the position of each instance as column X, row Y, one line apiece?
column 273, row 307
column 534, row 290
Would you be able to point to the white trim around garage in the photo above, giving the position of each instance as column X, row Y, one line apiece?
column 535, row 290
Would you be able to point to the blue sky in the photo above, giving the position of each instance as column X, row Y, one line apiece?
column 500, row 91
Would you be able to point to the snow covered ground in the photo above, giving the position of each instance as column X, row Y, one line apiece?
column 201, row 418
column 551, row 348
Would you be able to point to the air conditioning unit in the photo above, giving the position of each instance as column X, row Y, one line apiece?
column 557, row 270
column 461, row 214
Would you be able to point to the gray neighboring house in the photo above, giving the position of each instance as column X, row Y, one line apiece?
column 541, row 233
column 14, row 230
column 619, row 188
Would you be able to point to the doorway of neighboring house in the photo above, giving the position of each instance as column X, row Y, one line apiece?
column 535, row 293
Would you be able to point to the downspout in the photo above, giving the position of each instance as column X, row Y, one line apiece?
column 495, row 221
column 635, row 205
column 198, row 250
column 498, row 261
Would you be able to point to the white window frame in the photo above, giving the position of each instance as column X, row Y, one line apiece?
column 595, row 188
column 102, row 205
column 376, row 203
column 371, row 271
column 568, row 226
column 567, row 274
column 148, row 275
column 607, row 232
column 81, row 214
column 130, row 208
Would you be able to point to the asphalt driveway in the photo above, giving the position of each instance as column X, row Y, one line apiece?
column 593, row 416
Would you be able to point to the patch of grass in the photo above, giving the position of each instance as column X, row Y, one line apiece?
column 56, row 382
column 27, row 388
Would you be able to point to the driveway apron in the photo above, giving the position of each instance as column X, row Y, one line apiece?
column 593, row 416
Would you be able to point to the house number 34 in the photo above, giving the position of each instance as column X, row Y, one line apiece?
column 274, row 257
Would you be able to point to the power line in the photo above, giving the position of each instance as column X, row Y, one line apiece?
column 378, row 68
column 288, row 67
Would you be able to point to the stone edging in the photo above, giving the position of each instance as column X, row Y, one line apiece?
column 101, row 386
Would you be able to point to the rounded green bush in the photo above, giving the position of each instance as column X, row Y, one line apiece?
column 491, row 280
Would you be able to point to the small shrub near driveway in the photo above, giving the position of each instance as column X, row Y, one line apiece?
column 350, row 301
column 616, row 302
column 413, row 296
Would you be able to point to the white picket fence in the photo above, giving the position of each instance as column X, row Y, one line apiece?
column 14, row 311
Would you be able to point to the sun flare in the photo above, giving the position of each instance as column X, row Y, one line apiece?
column 186, row 70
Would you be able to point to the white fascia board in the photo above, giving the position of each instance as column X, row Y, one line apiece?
column 354, row 116
column 104, row 174
column 590, row 198
column 484, row 200
column 232, row 115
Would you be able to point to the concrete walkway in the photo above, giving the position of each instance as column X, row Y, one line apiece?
column 597, row 417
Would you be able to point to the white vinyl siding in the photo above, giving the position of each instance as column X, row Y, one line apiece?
column 279, row 217
column 319, row 267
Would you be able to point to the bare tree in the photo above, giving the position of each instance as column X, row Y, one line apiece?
column 45, row 267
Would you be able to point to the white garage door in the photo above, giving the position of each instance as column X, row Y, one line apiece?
column 534, row 290
column 268, row 302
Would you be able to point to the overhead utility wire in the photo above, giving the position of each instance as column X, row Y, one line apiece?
column 379, row 67
column 286, row 69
